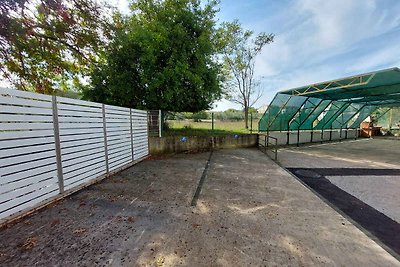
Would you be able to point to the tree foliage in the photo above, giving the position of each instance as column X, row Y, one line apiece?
column 48, row 45
column 164, row 58
column 239, row 51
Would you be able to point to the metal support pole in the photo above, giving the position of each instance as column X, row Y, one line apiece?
column 291, row 118
column 265, row 144
column 306, row 118
column 212, row 123
column 349, row 119
column 333, row 118
column 103, row 107
column 280, row 110
column 159, row 123
column 130, row 119
column 251, row 122
column 60, row 174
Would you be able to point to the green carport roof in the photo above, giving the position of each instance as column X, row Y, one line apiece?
column 336, row 104
column 374, row 88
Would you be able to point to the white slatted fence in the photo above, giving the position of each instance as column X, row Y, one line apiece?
column 51, row 145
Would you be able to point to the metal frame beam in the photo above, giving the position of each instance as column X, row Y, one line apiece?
column 291, row 119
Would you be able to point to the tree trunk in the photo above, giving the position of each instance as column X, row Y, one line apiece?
column 246, row 117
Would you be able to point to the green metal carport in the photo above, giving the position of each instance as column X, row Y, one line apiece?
column 340, row 104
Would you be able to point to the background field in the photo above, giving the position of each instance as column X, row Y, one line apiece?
column 204, row 127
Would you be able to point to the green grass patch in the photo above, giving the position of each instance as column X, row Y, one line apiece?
column 191, row 128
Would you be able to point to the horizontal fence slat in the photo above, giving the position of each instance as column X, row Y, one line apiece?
column 8, row 147
column 117, row 108
column 82, row 178
column 25, row 110
column 12, row 185
column 71, row 150
column 27, row 174
column 66, row 119
column 4, row 171
column 81, row 114
column 25, row 118
column 68, row 138
column 25, row 126
column 25, row 134
column 98, row 141
column 80, row 125
column 120, row 162
column 5, row 161
column 28, row 201
column 126, row 145
column 80, row 131
column 79, row 167
column 123, row 156
column 117, row 153
column 70, row 107
column 96, row 166
column 23, row 102
column 26, row 188
column 24, row 94
column 72, row 161
column 95, row 154
column 118, row 139
column 77, row 102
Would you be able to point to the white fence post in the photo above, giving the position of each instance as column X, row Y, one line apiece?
column 103, row 107
column 159, row 123
column 57, row 145
column 130, row 118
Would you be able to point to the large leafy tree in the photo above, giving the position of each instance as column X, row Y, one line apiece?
column 50, row 45
column 164, row 58
column 239, row 49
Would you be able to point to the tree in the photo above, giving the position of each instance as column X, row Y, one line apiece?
column 50, row 45
column 164, row 58
column 239, row 52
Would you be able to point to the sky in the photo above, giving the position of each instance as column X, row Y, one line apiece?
column 315, row 40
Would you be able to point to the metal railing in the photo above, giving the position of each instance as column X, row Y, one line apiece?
column 267, row 144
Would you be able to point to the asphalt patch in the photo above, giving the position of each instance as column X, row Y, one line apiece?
column 376, row 223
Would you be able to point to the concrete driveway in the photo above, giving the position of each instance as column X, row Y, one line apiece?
column 249, row 212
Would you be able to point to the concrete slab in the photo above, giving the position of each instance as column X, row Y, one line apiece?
column 250, row 212
column 361, row 153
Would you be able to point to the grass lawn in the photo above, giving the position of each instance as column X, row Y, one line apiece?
column 189, row 127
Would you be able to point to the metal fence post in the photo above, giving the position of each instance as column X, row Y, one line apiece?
column 159, row 123
column 130, row 119
column 212, row 122
column 60, row 174
column 105, row 136
column 251, row 122
column 266, row 143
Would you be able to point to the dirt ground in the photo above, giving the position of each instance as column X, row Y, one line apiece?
column 250, row 212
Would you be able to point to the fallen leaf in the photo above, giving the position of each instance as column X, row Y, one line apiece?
column 30, row 243
column 79, row 231
column 130, row 219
